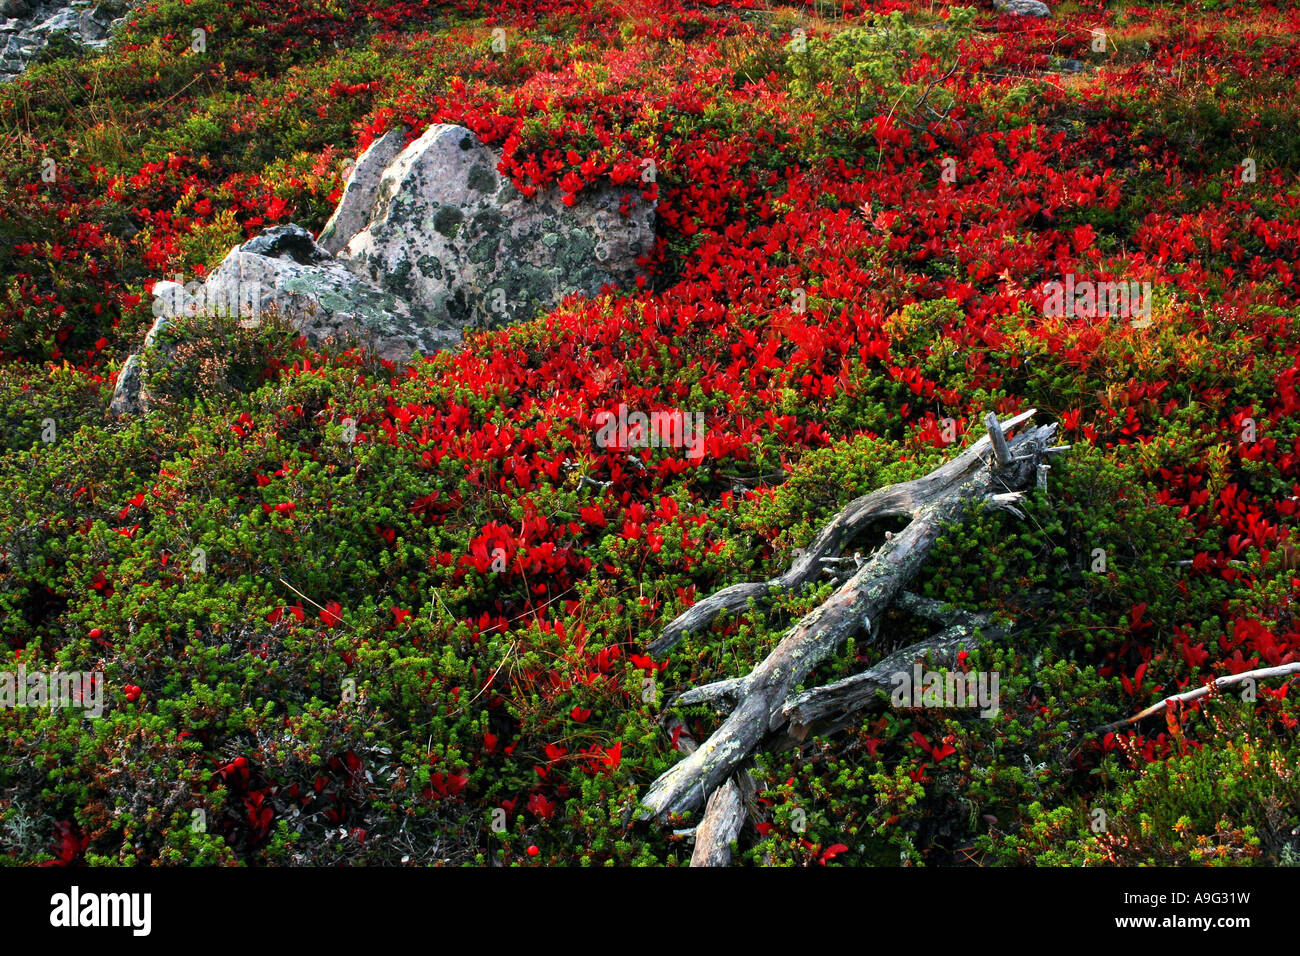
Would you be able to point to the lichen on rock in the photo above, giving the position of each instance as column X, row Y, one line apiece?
column 445, row 221
column 427, row 241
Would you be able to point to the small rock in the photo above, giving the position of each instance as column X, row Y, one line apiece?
column 432, row 240
column 287, row 242
column 126, row 393
column 34, row 23
column 285, row 269
column 64, row 20
column 1023, row 8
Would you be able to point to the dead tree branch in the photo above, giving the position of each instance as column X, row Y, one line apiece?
column 904, row 500
column 830, row 706
column 932, row 503
column 1227, row 680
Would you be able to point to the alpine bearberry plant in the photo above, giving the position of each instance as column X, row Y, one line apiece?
column 350, row 612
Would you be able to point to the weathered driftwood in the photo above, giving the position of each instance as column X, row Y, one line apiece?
column 721, row 695
column 998, row 439
column 937, row 611
column 724, row 816
column 986, row 472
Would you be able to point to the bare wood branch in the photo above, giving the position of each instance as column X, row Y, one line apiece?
column 1228, row 680
column 933, row 610
column 904, row 500
column 1001, row 453
column 724, row 816
column 890, row 502
column 938, row 499
column 1007, row 502
column 721, row 695
column 838, row 701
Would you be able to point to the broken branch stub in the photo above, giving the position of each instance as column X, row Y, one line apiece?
column 932, row 502
column 1001, row 453
column 724, row 817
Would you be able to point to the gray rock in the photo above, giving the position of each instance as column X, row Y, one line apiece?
column 66, row 19
column 170, row 300
column 93, row 29
column 32, row 23
column 452, row 235
column 283, row 270
column 286, row 270
column 442, row 243
column 1023, row 8
column 126, row 393
column 131, row 393
column 286, row 242
column 357, row 205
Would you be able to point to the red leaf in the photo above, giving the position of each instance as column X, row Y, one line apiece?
column 332, row 614
column 540, row 807
column 831, row 852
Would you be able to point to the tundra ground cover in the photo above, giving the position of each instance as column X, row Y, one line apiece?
column 426, row 643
